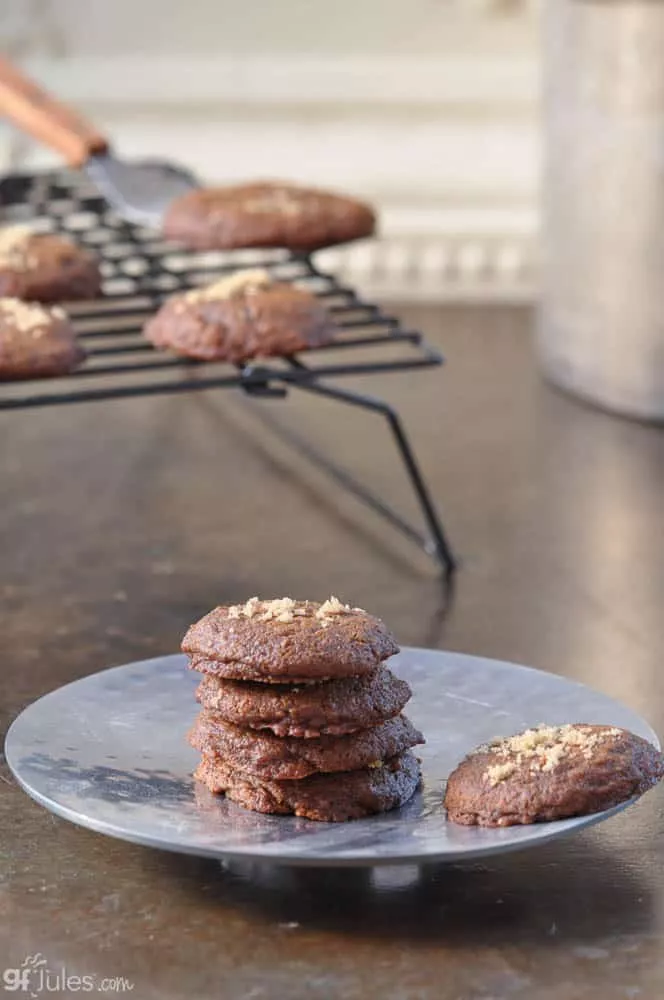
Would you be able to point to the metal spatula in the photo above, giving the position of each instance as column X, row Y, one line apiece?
column 140, row 192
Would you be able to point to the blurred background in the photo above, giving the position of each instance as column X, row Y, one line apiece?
column 428, row 108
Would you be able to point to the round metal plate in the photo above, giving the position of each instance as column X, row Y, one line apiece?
column 109, row 752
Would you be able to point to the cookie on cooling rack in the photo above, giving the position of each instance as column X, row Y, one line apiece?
column 331, row 708
column 549, row 773
column 266, row 214
column 286, row 641
column 36, row 341
column 242, row 316
column 330, row 798
column 46, row 267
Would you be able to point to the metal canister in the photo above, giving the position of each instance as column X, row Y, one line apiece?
column 601, row 319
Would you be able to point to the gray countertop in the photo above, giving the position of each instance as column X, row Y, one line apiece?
column 122, row 522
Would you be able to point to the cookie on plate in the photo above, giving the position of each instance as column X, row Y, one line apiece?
column 266, row 214
column 45, row 267
column 285, row 758
column 244, row 316
column 549, row 773
column 330, row 798
column 36, row 341
column 331, row 708
column 288, row 641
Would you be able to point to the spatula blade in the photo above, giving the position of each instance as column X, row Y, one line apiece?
column 139, row 192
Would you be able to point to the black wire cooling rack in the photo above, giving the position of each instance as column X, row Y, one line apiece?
column 140, row 270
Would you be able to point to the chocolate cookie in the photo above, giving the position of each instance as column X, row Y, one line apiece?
column 287, row 641
column 244, row 316
column 330, row 798
column 551, row 773
column 266, row 214
column 45, row 267
column 332, row 708
column 36, row 341
column 285, row 758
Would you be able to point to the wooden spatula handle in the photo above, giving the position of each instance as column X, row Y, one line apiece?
column 36, row 112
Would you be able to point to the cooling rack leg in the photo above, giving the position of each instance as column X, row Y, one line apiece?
column 435, row 545
column 438, row 544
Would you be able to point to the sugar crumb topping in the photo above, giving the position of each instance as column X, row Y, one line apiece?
column 280, row 199
column 332, row 606
column 542, row 749
column 499, row 772
column 28, row 317
column 242, row 282
column 286, row 610
column 13, row 245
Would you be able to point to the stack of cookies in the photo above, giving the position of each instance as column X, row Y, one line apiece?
column 299, row 714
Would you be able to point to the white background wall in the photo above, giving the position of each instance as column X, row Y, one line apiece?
column 427, row 107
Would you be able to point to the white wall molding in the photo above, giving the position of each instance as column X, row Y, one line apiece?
column 442, row 268
column 465, row 81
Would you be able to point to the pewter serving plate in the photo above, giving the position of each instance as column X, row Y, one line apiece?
column 109, row 752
